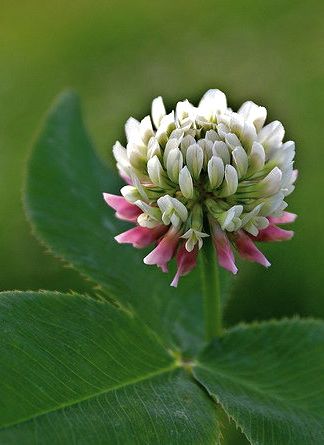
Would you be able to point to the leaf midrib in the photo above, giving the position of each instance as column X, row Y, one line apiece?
column 245, row 384
column 130, row 382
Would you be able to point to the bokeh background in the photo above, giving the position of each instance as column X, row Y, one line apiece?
column 119, row 55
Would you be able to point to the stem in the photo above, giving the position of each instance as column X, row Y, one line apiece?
column 211, row 290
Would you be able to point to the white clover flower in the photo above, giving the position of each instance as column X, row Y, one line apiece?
column 204, row 171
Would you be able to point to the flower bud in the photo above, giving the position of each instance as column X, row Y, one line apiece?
column 186, row 142
column 174, row 164
column 185, row 183
column 207, row 148
column 230, row 183
column 130, row 193
column 248, row 136
column 137, row 156
column 215, row 172
column 252, row 222
column 240, row 161
column 230, row 220
column 167, row 124
column 151, row 217
column 173, row 211
column 172, row 144
column 220, row 149
column 256, row 158
column 194, row 237
column 195, row 159
column 156, row 172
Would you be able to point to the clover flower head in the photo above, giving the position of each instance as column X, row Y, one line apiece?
column 200, row 172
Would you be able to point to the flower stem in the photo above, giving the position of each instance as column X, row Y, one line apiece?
column 211, row 291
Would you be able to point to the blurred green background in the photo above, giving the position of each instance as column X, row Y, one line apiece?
column 121, row 54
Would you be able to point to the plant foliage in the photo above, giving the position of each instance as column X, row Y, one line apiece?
column 128, row 364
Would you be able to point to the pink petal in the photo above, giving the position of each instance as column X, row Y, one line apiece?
column 126, row 178
column 248, row 250
column 186, row 261
column 223, row 248
column 163, row 267
column 165, row 250
column 141, row 236
column 274, row 233
column 124, row 210
column 286, row 218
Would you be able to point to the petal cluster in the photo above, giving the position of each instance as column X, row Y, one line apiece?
column 200, row 172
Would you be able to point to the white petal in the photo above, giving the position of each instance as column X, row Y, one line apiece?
column 261, row 222
column 154, row 148
column 212, row 104
column 185, row 110
column 222, row 130
column 207, row 148
column 178, row 134
column 215, row 171
column 137, row 183
column 256, row 158
column 195, row 159
column 226, row 218
column 130, row 193
column 271, row 184
column 164, row 203
column 174, row 164
column 271, row 135
column 247, row 217
column 172, row 144
column 272, row 204
column 158, row 111
column 254, row 114
column 185, row 183
column 248, row 136
column 220, row 149
column 230, row 182
column 146, row 220
column 186, row 142
column 284, row 156
column 211, row 135
column 172, row 210
column 250, row 228
column 137, row 155
column 132, row 130
column 146, row 129
column 156, row 172
column 120, row 154
column 240, row 161
column 180, row 209
column 236, row 123
column 167, row 124
column 232, row 141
